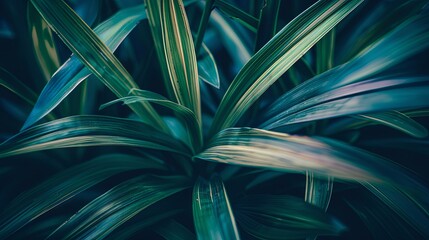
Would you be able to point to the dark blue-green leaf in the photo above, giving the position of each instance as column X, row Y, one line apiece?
column 81, row 131
column 213, row 217
column 59, row 188
column 104, row 214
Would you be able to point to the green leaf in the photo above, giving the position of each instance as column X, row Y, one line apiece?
column 118, row 205
column 318, row 190
column 173, row 41
column 234, row 44
column 394, row 119
column 204, row 20
column 291, row 153
column 112, row 32
column 282, row 152
column 276, row 57
column 372, row 85
column 43, row 43
column 267, row 24
column 325, row 52
column 173, row 230
column 379, row 24
column 213, row 217
column 378, row 101
column 398, row 121
column 401, row 43
column 186, row 115
column 82, row 131
column 57, row 189
column 149, row 217
column 207, row 67
column 283, row 217
column 10, row 82
column 237, row 14
column 410, row 202
column 379, row 219
column 96, row 56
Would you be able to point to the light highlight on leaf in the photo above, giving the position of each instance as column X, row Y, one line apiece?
column 213, row 217
column 276, row 57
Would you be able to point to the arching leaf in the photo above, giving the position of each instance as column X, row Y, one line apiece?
column 65, row 185
column 81, row 131
column 283, row 217
column 175, row 48
column 276, row 57
column 118, row 205
column 96, row 56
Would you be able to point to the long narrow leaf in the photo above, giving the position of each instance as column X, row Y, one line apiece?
column 231, row 40
column 350, row 90
column 118, row 205
column 283, row 217
column 65, row 185
column 258, row 148
column 207, row 67
column 112, row 32
column 401, row 43
column 187, row 116
column 398, row 121
column 81, row 131
column 379, row 101
column 43, row 42
column 379, row 219
column 267, row 24
column 237, row 14
column 394, row 119
column 318, row 190
column 411, row 207
column 96, row 56
column 378, row 24
column 171, row 30
column 277, row 56
column 10, row 82
column 150, row 216
column 173, row 230
column 73, row 72
column 213, row 217
column 283, row 152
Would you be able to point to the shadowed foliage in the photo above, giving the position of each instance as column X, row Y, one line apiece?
column 214, row 119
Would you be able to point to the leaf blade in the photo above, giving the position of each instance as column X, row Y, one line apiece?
column 170, row 27
column 265, row 68
column 184, row 113
column 283, row 217
column 31, row 204
column 43, row 43
column 399, row 44
column 73, row 72
column 291, row 153
column 398, row 121
column 213, row 217
column 384, row 100
column 207, row 67
column 118, row 206
column 82, row 130
column 96, row 56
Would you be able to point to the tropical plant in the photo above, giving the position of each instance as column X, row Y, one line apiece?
column 262, row 119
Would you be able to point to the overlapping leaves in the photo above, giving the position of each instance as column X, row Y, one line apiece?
column 275, row 58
